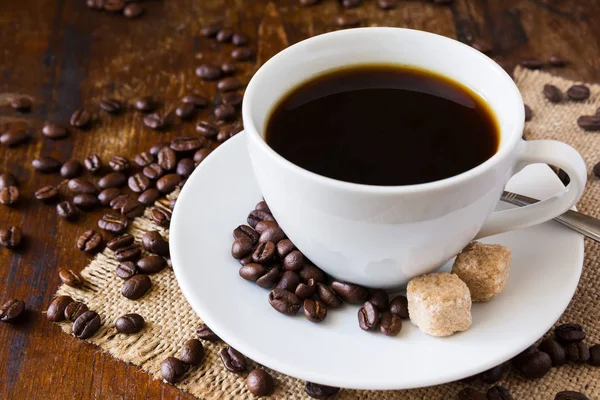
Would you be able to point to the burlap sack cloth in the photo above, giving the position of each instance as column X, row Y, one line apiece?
column 171, row 321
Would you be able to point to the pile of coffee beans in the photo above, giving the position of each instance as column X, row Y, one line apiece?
column 271, row 260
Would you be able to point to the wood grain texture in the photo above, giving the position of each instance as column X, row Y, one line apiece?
column 66, row 56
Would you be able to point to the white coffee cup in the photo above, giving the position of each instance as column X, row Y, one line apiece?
column 381, row 236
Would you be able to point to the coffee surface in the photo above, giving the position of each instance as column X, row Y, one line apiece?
column 383, row 125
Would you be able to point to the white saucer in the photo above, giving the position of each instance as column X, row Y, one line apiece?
column 547, row 262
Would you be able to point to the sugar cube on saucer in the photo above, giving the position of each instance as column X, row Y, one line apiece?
column 439, row 304
column 484, row 268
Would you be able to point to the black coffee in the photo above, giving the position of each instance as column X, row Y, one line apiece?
column 383, row 125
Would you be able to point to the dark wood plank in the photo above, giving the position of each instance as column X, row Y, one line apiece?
column 65, row 56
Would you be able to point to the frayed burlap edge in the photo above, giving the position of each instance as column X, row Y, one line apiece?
column 171, row 321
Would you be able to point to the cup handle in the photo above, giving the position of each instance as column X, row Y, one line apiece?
column 551, row 152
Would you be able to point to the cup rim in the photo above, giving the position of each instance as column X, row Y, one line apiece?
column 502, row 152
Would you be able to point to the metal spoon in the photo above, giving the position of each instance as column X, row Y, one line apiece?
column 584, row 224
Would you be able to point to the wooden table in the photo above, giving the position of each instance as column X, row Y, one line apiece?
column 65, row 56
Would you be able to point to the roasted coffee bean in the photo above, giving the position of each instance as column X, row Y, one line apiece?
column 532, row 63
column 268, row 280
column 498, row 393
column 157, row 121
column 210, row 30
column 228, row 68
column 126, row 270
column 595, row 355
column 70, row 277
column 119, row 164
column 317, row 391
column 523, row 355
column 272, row 234
column 368, row 316
column 133, row 10
column 11, row 310
column 118, row 202
column 120, row 241
column 241, row 247
column 185, row 111
column 112, row 180
column 205, row 333
column 198, row 100
column 145, row 104
column 283, row 301
column 534, row 365
column 578, row 92
column 289, row 281
column 151, row 264
column 144, row 158
column 557, row 61
column 493, row 375
column 113, row 223
column 293, row 261
column 552, row 93
column 108, row 195
column 161, row 217
column 132, row 209
column 130, row 323
column 589, row 122
column 138, row 182
column 232, row 98
column 149, row 196
column 569, row 333
column 253, row 271
column 21, row 103
column 224, row 35
column 201, row 154
column 309, row 272
column 304, row 291
column 390, row 324
column 128, row 253
column 184, row 144
column 185, row 167
column 56, row 310
column 243, row 53
column 399, row 306
column 314, row 310
column 225, row 112
column 14, row 138
column 54, row 131
column 379, row 298
column 74, row 310
column 136, row 286
column 229, row 84
column 168, row 183
column 387, row 4
column 350, row 292
column 233, row 360
column 328, row 296
column 555, row 350
column 167, row 158
column 470, row 394
column 47, row 194
column 284, row 247
column 10, row 237
column 86, row 201
column 93, row 163
column 172, row 369
column 260, row 383
column 9, row 195
column 192, row 352
column 577, row 352
column 66, row 210
column 208, row 72
column 46, row 165
column 90, row 241
column 79, row 186
column 256, row 216
column 240, row 39
column 155, row 243
column 86, row 325
column 111, row 106
column 347, row 20
column 7, row 179
column 264, row 252
column 262, row 226
column 71, row 169
column 570, row 395
column 528, row 113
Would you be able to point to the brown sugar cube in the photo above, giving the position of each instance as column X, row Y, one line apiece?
column 484, row 268
column 439, row 304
